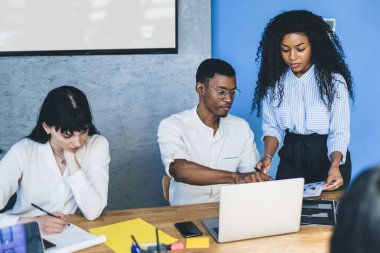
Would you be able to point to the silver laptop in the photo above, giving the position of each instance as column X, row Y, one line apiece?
column 257, row 210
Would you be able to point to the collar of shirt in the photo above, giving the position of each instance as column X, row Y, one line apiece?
column 219, row 133
column 305, row 78
column 45, row 148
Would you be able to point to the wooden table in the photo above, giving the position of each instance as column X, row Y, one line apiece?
column 308, row 239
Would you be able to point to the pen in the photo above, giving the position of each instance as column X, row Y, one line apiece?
column 48, row 213
column 257, row 169
column 134, row 240
column 43, row 210
column 157, row 241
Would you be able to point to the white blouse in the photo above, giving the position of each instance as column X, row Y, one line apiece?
column 30, row 169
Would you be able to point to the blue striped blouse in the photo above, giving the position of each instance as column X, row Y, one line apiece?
column 302, row 111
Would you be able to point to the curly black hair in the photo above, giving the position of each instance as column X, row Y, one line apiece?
column 327, row 56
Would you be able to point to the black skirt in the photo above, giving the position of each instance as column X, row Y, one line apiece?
column 306, row 156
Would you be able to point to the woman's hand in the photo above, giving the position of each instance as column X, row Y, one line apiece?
column 271, row 145
column 69, row 156
column 334, row 179
column 71, row 161
column 264, row 164
column 48, row 224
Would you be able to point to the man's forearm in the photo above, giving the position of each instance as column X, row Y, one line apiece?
column 196, row 174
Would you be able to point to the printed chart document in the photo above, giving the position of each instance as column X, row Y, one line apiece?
column 313, row 189
column 72, row 239
column 119, row 234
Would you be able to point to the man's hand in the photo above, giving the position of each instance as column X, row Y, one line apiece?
column 250, row 177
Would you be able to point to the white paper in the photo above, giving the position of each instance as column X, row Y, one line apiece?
column 313, row 189
column 72, row 239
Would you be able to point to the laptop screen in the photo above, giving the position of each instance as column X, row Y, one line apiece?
column 21, row 238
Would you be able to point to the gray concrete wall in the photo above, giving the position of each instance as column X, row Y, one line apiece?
column 129, row 95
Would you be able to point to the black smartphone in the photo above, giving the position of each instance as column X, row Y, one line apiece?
column 188, row 229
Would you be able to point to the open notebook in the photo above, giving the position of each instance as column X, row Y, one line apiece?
column 72, row 238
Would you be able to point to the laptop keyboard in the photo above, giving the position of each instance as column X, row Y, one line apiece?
column 216, row 230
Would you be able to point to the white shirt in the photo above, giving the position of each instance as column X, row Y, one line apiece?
column 31, row 169
column 302, row 111
column 185, row 136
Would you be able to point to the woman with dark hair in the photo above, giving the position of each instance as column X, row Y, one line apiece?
column 303, row 91
column 61, row 166
column 358, row 217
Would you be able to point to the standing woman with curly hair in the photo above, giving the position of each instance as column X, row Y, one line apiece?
column 303, row 92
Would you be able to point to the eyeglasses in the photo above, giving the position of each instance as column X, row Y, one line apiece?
column 222, row 93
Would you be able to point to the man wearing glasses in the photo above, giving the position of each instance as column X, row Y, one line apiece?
column 204, row 148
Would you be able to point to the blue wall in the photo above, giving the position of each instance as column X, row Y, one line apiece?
column 236, row 31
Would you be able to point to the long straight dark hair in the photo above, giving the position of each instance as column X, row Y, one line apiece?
column 66, row 108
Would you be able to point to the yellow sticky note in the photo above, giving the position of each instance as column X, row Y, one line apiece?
column 119, row 234
column 197, row 242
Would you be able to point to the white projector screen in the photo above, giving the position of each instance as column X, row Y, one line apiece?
column 54, row 27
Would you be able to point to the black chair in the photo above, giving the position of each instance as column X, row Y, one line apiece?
column 10, row 203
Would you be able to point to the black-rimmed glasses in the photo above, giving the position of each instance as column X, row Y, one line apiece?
column 222, row 93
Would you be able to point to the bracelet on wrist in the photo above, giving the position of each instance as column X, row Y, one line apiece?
column 266, row 155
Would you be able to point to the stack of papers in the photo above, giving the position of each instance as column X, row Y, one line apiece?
column 318, row 212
